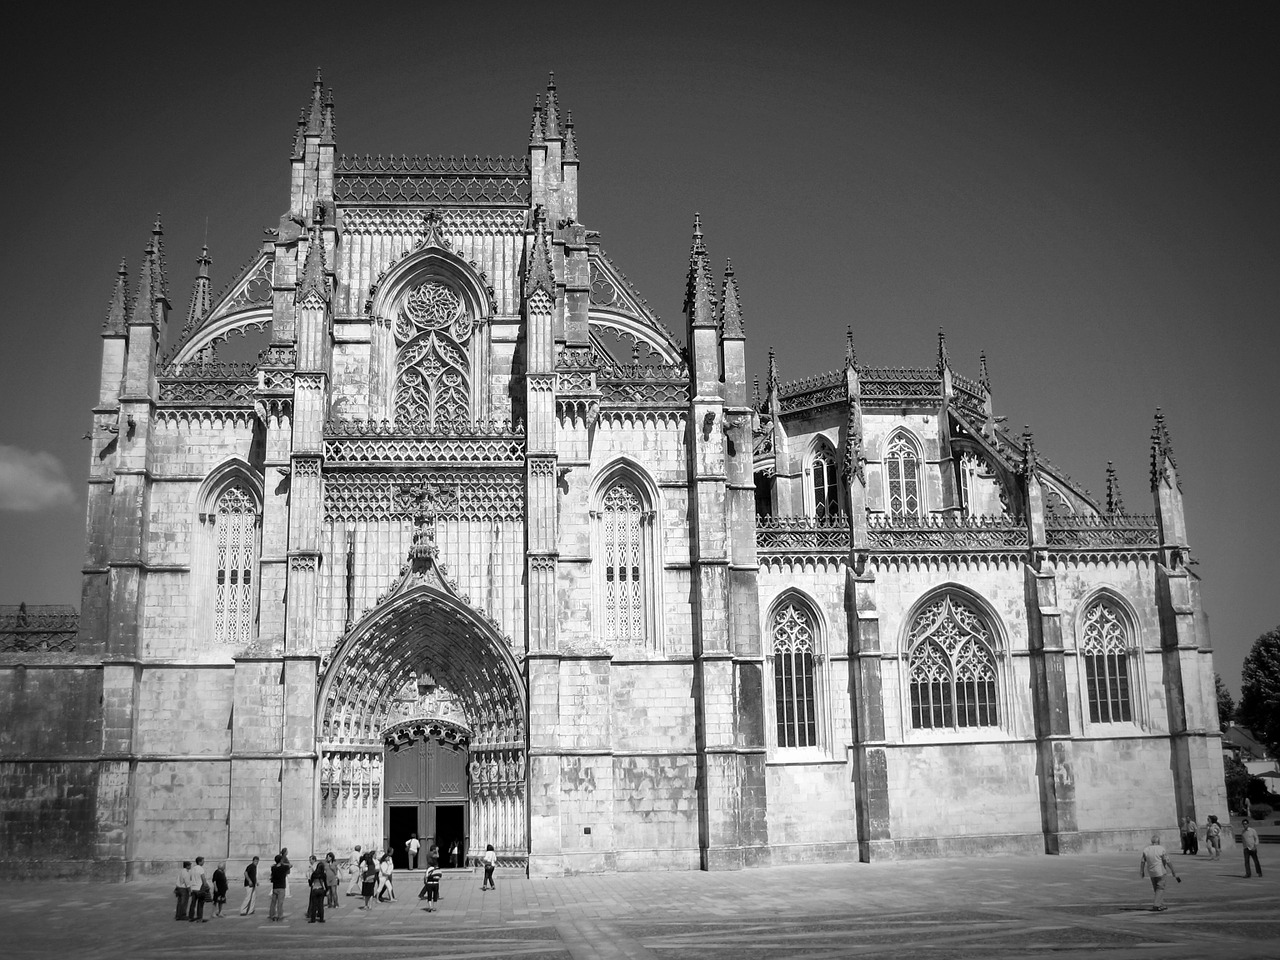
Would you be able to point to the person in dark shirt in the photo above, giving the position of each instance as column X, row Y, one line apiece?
column 250, row 888
column 318, row 883
column 279, row 878
column 219, row 889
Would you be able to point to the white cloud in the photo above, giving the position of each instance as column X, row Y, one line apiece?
column 32, row 481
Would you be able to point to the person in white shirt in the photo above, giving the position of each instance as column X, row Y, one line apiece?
column 1155, row 863
column 1249, row 840
column 195, row 911
column 490, row 861
column 412, row 848
column 1213, row 837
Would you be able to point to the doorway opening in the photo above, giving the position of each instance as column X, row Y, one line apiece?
column 451, row 830
column 403, row 824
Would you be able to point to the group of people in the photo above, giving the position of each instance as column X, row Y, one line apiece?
column 372, row 877
column 1155, row 861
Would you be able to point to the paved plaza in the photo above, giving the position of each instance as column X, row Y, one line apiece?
column 1007, row 907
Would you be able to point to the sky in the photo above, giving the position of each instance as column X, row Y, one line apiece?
column 1084, row 191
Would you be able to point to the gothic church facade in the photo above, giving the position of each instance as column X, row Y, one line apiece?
column 478, row 550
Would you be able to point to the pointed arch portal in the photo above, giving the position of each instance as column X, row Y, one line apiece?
column 421, row 725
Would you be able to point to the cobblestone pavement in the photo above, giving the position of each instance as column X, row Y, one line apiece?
column 1006, row 907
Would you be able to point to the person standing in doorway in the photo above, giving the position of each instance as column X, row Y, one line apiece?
column 279, row 877
column 250, row 888
column 1249, row 840
column 490, row 861
column 1155, row 863
column 412, row 848
column 453, row 854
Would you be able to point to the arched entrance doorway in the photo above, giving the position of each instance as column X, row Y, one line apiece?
column 426, row 794
column 421, row 721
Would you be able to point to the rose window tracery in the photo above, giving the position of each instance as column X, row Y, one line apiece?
column 433, row 366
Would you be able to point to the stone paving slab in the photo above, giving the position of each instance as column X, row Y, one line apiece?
column 1002, row 907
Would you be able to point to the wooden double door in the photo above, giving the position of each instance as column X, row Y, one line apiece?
column 427, row 792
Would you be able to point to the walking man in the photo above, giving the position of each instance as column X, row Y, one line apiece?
column 1155, row 863
column 412, row 848
column 1249, row 840
column 250, row 888
column 353, row 890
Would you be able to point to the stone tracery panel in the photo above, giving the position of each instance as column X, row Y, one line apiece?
column 433, row 365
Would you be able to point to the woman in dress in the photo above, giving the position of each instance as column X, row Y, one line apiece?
column 368, row 880
column 219, row 889
column 387, row 889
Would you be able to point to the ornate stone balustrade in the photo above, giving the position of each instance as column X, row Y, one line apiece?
column 38, row 628
column 208, row 384
column 900, row 386
column 646, row 384
column 1118, row 531
column 368, row 163
column 778, row 536
column 939, row 532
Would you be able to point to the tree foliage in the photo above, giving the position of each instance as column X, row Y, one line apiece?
column 1226, row 703
column 1260, row 691
column 1237, row 783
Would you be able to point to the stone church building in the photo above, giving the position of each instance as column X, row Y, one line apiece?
column 478, row 549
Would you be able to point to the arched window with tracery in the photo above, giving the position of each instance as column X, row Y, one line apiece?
column 235, row 528
column 622, row 520
column 1106, row 664
column 825, row 486
column 902, row 475
column 795, row 697
column 952, row 667
column 433, row 365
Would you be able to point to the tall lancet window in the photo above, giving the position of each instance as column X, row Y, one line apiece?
column 952, row 668
column 826, row 489
column 793, row 678
column 236, row 530
column 433, row 366
column 902, row 472
column 1106, row 664
column 622, row 517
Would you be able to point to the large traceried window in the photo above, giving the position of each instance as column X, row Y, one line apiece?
column 622, row 519
column 795, row 699
column 433, row 366
column 826, row 487
column 236, row 547
column 952, row 668
column 1106, row 664
column 902, row 475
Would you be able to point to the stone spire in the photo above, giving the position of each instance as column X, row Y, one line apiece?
column 771, row 385
column 699, row 303
column 730, row 308
column 552, row 114
column 570, row 141
column 315, row 116
column 200, row 293
column 328, row 133
column 944, row 359
column 541, row 274
column 1115, row 505
column 152, row 300
column 535, row 131
column 118, row 311
column 984, row 378
column 1030, row 466
column 850, row 354
column 300, row 135
column 313, row 275
column 1163, row 464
